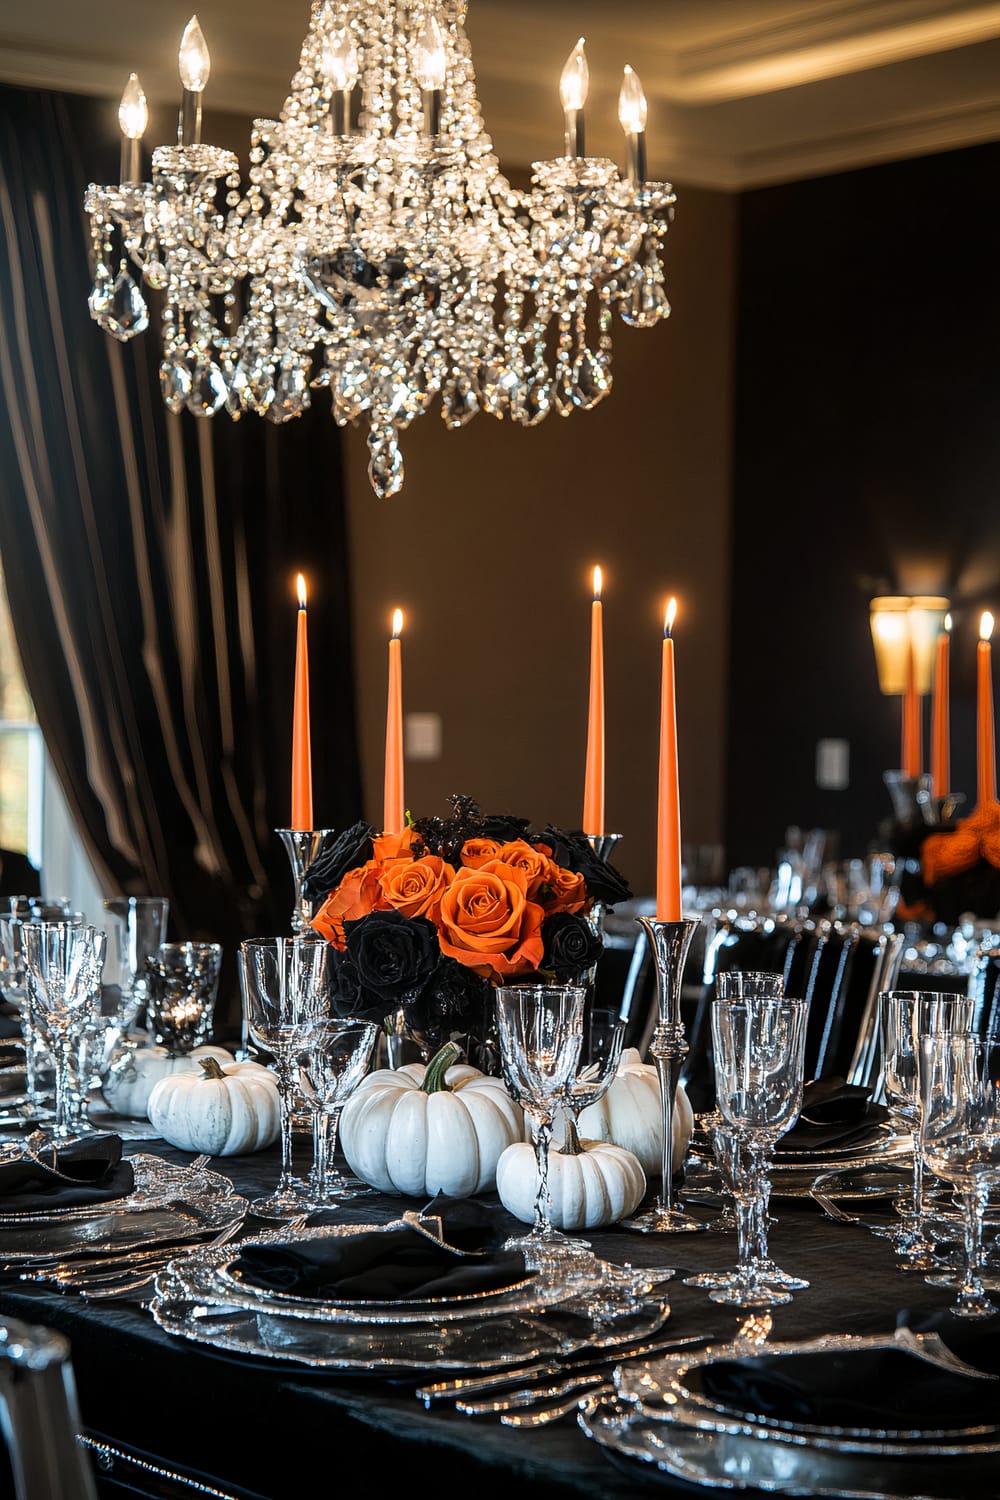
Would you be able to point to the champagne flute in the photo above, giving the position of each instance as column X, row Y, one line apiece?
column 904, row 1017
column 600, row 1054
column 286, row 984
column 62, row 967
column 540, row 1032
column 759, row 1051
column 960, row 1140
column 335, row 1055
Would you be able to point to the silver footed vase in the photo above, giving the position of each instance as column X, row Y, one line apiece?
column 669, row 942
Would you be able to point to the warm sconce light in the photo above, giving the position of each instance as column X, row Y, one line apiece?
column 899, row 621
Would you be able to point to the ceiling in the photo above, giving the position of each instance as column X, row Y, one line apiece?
column 741, row 92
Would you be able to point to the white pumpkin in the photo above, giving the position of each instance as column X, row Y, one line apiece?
column 133, row 1075
column 629, row 1114
column 421, row 1130
column 599, row 1184
column 224, row 1111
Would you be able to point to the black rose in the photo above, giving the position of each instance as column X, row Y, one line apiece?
column 604, row 883
column 392, row 954
column 338, row 853
column 503, row 828
column 571, row 946
column 454, row 995
column 348, row 998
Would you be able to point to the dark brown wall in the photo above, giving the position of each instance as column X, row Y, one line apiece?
column 867, row 460
column 489, row 550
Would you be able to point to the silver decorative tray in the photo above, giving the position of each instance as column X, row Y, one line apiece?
column 748, row 1460
column 166, row 1203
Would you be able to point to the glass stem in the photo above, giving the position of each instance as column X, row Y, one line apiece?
column 286, row 1091
column 918, row 1186
column 63, row 1050
column 751, row 1214
column 971, row 1290
column 543, row 1135
column 324, row 1126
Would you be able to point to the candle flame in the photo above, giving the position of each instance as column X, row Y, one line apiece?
column 598, row 582
column 985, row 625
column 947, row 623
column 300, row 588
column 397, row 623
column 670, row 617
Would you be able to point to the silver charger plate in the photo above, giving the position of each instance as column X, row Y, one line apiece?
column 676, row 1389
column 166, row 1203
column 544, row 1318
column 742, row 1460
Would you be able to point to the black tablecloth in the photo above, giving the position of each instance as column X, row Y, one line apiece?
column 278, row 1434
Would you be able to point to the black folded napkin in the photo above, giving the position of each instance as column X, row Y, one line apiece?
column 90, row 1171
column 885, row 1389
column 834, row 1113
column 404, row 1263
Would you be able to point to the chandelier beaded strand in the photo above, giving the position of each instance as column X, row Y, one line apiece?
column 378, row 250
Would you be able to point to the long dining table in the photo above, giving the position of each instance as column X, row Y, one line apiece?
column 168, row 1417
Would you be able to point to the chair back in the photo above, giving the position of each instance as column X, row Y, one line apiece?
column 39, row 1415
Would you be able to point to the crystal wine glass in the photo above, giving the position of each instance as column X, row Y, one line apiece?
column 960, row 1140
column 62, row 966
column 600, row 1054
column 139, row 927
column 759, row 1050
column 286, row 984
column 540, row 1029
column 333, row 1058
column 904, row 1017
column 37, row 1102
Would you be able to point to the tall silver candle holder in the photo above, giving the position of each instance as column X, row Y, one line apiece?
column 603, row 845
column 302, row 846
column 669, row 942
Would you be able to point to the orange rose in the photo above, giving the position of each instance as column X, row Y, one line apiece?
column 416, row 888
column 487, row 922
column 563, row 890
column 476, row 852
column 394, row 846
column 356, row 895
column 524, row 856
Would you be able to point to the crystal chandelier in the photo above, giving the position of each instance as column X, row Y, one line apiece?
column 378, row 250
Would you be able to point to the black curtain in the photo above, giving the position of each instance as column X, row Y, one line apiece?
column 150, row 562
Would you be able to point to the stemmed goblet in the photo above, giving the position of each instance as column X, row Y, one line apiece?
column 334, row 1056
column 62, row 967
column 286, row 984
column 600, row 1054
column 540, row 1029
column 960, row 1140
column 905, row 1016
column 759, row 1050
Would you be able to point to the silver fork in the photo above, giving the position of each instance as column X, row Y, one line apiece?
column 105, row 1291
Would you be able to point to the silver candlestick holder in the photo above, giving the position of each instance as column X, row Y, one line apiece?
column 302, row 846
column 603, row 845
column 669, row 942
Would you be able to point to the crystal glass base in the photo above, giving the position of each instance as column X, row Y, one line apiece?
column 660, row 1220
column 282, row 1205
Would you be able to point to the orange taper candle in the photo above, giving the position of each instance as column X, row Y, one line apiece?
column 940, row 711
column 668, row 843
column 912, row 749
column 593, row 785
column 393, row 808
column 986, row 755
column 302, row 795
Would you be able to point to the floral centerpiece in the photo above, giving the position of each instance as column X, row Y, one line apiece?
column 426, row 922
column 958, row 873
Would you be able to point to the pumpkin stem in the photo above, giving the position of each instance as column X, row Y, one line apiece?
column 438, row 1066
column 211, row 1067
column 572, row 1145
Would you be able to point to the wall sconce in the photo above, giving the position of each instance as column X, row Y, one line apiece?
column 899, row 622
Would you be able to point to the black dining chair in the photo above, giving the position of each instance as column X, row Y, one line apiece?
column 39, row 1416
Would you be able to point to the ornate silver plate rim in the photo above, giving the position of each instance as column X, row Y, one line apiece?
column 677, row 1451
column 691, row 1407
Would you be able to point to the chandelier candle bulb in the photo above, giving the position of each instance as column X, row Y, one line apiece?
column 394, row 804
column 302, row 809
column 133, row 117
column 430, row 68
column 593, row 788
column 668, row 842
column 911, row 743
column 940, row 711
column 195, row 66
column 574, row 83
column 339, row 65
column 632, row 118
column 986, row 769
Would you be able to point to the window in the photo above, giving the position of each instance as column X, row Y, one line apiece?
column 22, row 754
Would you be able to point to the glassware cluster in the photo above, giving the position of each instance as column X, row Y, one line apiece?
column 384, row 254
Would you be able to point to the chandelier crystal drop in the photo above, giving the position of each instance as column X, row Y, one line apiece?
column 378, row 250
